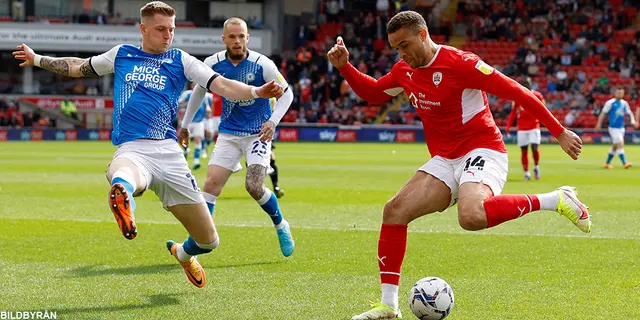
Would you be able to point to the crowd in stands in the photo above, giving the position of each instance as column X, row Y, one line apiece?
column 576, row 52
column 11, row 117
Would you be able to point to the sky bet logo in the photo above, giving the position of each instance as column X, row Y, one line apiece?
column 149, row 75
column 327, row 135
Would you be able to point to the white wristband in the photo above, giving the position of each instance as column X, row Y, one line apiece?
column 254, row 92
column 36, row 60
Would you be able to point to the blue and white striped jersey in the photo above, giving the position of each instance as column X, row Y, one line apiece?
column 616, row 110
column 146, row 89
column 245, row 117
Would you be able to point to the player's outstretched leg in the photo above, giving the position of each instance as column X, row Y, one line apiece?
column 536, row 159
column 612, row 152
column 525, row 162
column 121, row 175
column 274, row 179
column 269, row 203
column 563, row 200
column 199, row 224
column 422, row 194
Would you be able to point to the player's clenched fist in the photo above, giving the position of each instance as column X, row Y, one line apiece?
column 270, row 90
column 338, row 55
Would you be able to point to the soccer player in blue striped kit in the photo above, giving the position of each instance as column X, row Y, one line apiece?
column 147, row 83
column 246, row 126
column 615, row 110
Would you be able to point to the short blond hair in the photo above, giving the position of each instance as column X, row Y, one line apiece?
column 157, row 7
column 236, row 21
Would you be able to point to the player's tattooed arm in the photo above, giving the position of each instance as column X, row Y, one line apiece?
column 68, row 66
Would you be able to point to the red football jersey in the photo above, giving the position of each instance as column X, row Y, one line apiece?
column 448, row 94
column 526, row 120
column 216, row 105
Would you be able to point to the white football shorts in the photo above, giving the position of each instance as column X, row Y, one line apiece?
column 165, row 169
column 196, row 129
column 212, row 124
column 617, row 135
column 479, row 165
column 229, row 149
column 527, row 137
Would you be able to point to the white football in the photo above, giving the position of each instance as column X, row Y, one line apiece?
column 431, row 298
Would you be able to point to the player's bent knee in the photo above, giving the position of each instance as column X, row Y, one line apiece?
column 393, row 212
column 472, row 220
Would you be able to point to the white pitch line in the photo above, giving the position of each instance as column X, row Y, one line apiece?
column 247, row 225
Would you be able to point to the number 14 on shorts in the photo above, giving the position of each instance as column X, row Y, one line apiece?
column 477, row 162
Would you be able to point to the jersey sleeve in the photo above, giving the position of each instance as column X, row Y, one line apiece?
column 197, row 71
column 271, row 72
column 607, row 106
column 473, row 73
column 512, row 116
column 103, row 64
column 540, row 97
column 372, row 90
column 627, row 108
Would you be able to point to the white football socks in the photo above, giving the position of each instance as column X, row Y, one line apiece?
column 182, row 255
column 548, row 201
column 390, row 295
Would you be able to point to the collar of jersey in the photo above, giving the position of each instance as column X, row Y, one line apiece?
column 432, row 59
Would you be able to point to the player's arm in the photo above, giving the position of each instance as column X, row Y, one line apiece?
column 476, row 74
column 603, row 113
column 200, row 73
column 372, row 90
column 512, row 116
column 366, row 87
column 638, row 118
column 68, row 66
column 283, row 103
column 197, row 96
column 630, row 113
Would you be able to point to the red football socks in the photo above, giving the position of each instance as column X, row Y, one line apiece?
column 391, row 249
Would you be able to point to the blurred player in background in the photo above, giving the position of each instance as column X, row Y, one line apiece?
column 148, row 81
column 212, row 122
column 615, row 109
column 197, row 126
column 469, row 159
column 273, row 167
column 246, row 126
column 528, row 132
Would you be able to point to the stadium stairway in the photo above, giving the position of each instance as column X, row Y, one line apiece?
column 62, row 121
column 393, row 107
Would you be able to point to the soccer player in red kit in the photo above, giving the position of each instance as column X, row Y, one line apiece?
column 528, row 132
column 468, row 157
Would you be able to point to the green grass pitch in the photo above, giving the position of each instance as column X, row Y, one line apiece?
column 61, row 250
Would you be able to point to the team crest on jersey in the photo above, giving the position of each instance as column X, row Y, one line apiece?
column 484, row 68
column 167, row 60
column 437, row 78
column 251, row 76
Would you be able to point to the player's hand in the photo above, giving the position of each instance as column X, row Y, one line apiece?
column 23, row 52
column 270, row 90
column 183, row 137
column 267, row 131
column 338, row 55
column 508, row 135
column 570, row 143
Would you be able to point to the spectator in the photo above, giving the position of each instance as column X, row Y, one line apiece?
column 68, row 108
